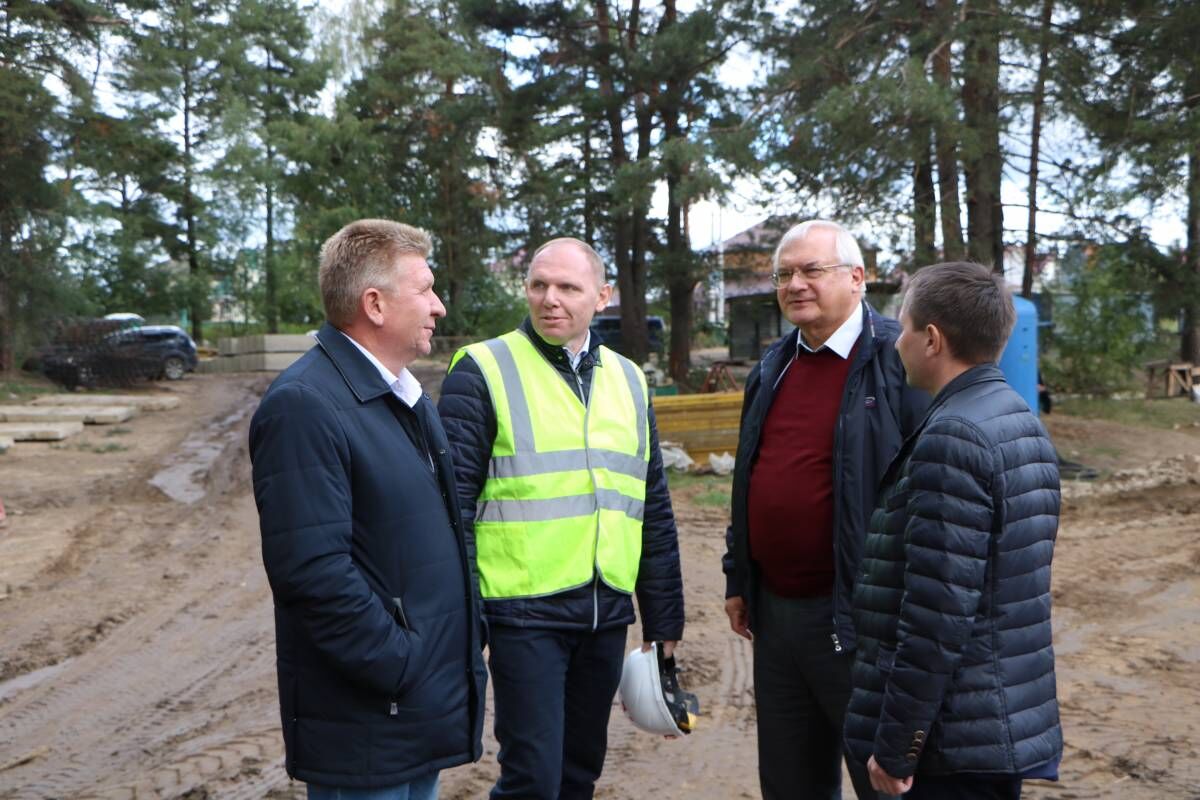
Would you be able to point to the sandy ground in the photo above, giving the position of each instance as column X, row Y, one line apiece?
column 136, row 640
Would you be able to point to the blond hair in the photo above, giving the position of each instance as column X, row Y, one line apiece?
column 361, row 256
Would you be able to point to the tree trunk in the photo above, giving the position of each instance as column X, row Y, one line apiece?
column 1035, row 141
column 628, row 234
column 1190, row 335
column 269, row 275
column 981, row 113
column 924, row 201
column 946, row 150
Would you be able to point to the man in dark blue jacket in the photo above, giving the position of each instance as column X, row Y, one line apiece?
column 825, row 410
column 565, row 491
column 954, row 689
column 378, row 631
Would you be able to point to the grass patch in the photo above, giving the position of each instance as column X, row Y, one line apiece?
column 107, row 447
column 22, row 387
column 1166, row 413
column 680, row 481
column 703, row 490
column 717, row 498
column 118, row 431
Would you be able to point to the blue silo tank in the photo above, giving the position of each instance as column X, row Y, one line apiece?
column 1019, row 362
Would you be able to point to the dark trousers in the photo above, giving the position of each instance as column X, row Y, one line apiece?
column 801, row 688
column 965, row 786
column 553, row 692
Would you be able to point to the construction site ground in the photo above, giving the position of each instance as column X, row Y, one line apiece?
column 136, row 633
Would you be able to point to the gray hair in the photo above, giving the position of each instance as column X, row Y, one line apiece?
column 593, row 258
column 362, row 256
column 847, row 248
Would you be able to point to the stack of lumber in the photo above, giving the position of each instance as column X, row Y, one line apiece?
column 261, row 353
column 701, row 423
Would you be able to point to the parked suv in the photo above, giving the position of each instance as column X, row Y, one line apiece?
column 120, row 357
column 609, row 331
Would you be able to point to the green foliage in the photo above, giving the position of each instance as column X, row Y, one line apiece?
column 1103, row 325
column 1158, row 413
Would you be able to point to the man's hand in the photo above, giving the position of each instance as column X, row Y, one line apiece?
column 739, row 617
column 668, row 648
column 882, row 782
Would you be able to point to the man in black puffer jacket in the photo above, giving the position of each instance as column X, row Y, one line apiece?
column 954, row 688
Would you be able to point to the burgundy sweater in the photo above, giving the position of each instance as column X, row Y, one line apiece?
column 791, row 485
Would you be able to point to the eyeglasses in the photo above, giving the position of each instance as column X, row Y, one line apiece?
column 810, row 273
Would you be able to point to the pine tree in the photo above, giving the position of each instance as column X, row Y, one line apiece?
column 172, row 74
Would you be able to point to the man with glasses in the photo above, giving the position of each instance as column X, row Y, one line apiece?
column 825, row 410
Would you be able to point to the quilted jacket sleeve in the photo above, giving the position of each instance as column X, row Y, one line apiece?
column 301, row 461
column 465, row 407
column 946, row 541
column 660, row 583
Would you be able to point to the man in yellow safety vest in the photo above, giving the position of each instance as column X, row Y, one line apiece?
column 562, row 490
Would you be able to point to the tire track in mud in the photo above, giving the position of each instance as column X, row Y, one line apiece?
column 160, row 703
column 1127, row 635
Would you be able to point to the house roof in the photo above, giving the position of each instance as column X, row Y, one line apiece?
column 761, row 237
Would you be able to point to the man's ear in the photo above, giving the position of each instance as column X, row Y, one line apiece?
column 605, row 295
column 371, row 304
column 935, row 342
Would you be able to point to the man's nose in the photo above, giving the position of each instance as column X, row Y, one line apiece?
column 438, row 309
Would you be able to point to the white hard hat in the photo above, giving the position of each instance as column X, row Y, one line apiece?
column 651, row 696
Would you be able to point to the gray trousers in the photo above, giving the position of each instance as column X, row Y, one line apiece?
column 801, row 688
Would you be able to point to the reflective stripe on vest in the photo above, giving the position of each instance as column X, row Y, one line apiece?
column 566, row 499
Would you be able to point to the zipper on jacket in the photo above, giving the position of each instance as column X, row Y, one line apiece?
column 587, row 412
column 861, row 361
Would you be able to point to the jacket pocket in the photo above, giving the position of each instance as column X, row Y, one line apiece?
column 399, row 615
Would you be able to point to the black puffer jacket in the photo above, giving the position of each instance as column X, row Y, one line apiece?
column 955, row 668
column 470, row 420
column 878, row 410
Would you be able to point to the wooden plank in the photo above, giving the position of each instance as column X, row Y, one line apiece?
column 39, row 431
column 89, row 415
column 700, row 423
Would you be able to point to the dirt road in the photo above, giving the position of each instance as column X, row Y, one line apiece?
column 136, row 655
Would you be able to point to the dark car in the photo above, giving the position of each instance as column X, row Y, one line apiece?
column 123, row 356
column 609, row 331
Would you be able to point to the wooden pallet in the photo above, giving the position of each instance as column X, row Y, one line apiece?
column 701, row 423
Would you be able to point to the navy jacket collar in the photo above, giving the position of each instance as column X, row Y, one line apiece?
column 980, row 373
column 359, row 373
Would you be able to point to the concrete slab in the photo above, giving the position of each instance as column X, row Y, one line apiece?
column 267, row 362
column 5, row 443
column 142, row 402
column 39, row 431
column 89, row 415
column 275, row 343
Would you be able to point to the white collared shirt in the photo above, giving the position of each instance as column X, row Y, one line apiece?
column 842, row 340
column 404, row 385
column 575, row 358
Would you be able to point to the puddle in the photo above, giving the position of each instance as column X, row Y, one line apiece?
column 182, row 479
column 14, row 686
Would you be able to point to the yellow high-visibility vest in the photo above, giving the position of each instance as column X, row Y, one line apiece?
column 564, row 498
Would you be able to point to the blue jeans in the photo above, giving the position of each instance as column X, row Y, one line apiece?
column 424, row 788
